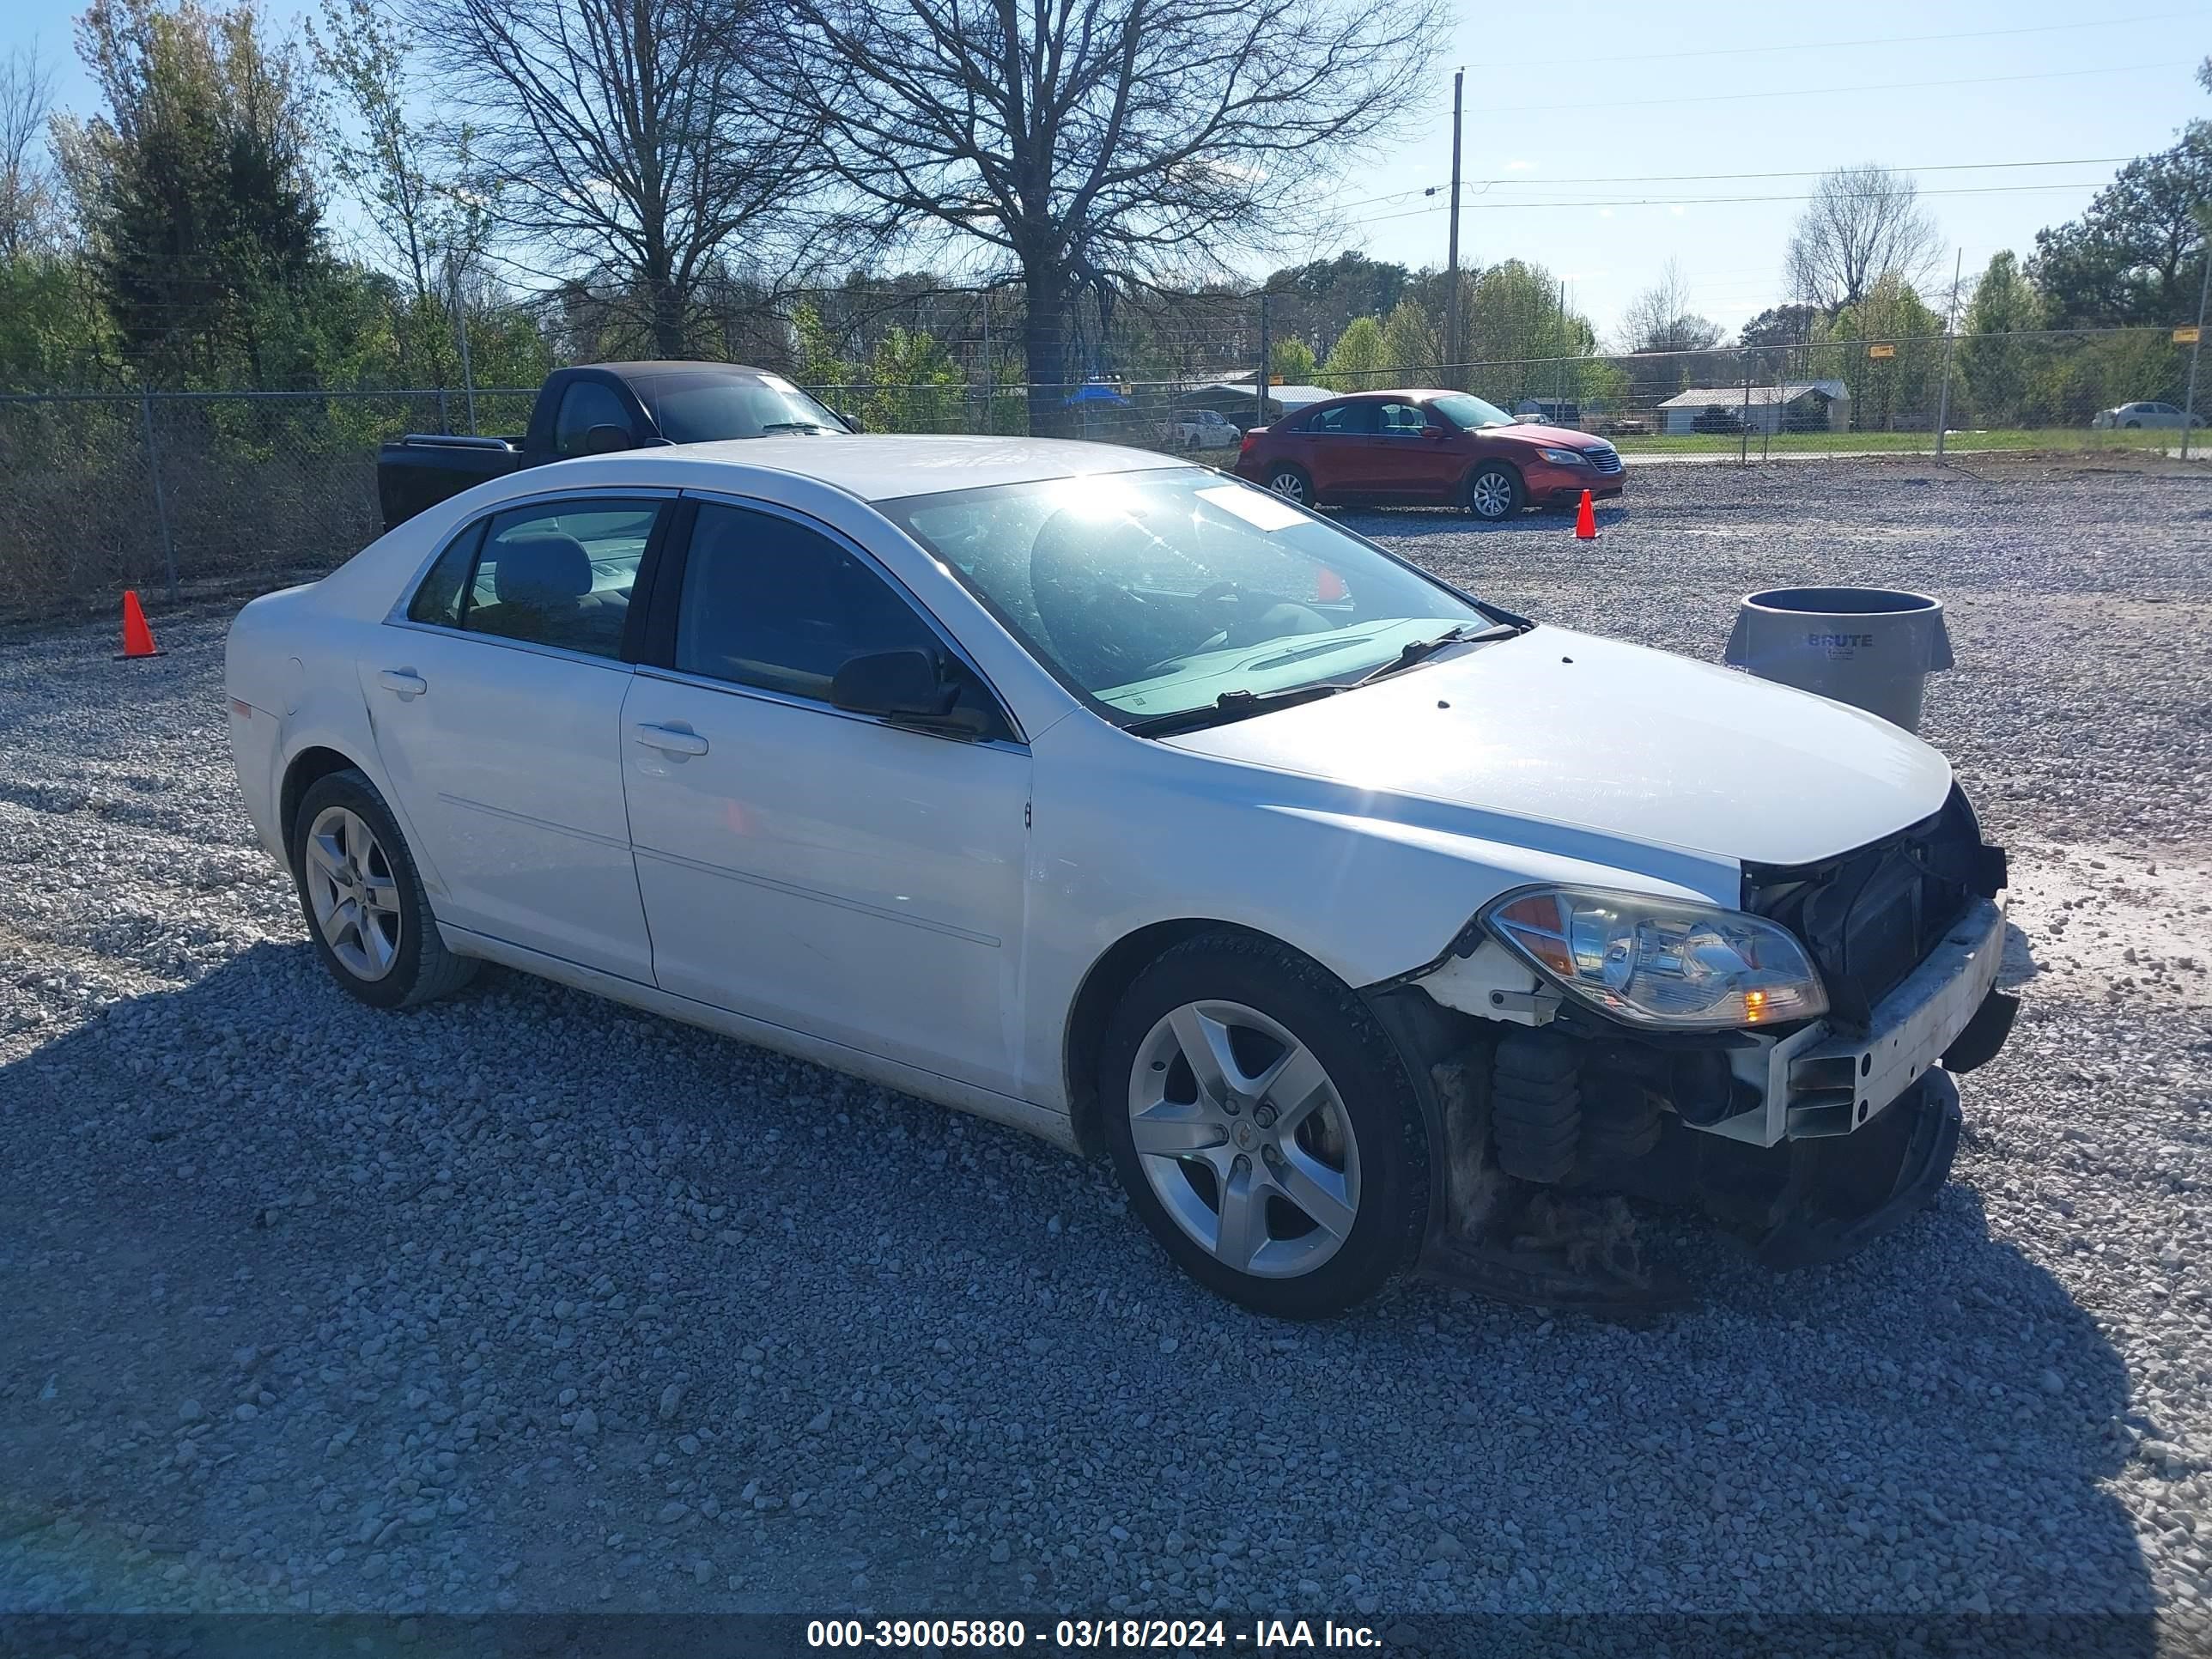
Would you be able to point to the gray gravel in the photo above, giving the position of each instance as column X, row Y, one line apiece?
column 525, row 1300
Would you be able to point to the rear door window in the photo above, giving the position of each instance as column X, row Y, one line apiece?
column 556, row 574
column 1345, row 419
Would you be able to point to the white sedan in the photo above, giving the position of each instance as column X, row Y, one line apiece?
column 2144, row 414
column 1124, row 803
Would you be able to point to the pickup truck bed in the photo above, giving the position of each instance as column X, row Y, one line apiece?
column 424, row 468
column 592, row 409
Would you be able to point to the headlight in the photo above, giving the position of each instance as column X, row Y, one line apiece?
column 1563, row 457
column 1653, row 961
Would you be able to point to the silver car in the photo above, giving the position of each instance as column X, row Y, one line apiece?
column 2150, row 415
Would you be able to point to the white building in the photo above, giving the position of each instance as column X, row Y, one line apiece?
column 1793, row 406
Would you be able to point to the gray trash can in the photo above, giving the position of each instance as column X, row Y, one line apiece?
column 1873, row 648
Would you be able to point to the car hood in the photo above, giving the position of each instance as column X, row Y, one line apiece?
column 1565, row 728
column 1558, row 437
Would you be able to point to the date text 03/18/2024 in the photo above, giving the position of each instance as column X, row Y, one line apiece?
column 1085, row 1635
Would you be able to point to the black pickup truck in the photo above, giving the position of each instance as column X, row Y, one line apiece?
column 593, row 411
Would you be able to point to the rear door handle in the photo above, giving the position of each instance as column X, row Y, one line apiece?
column 405, row 681
column 670, row 741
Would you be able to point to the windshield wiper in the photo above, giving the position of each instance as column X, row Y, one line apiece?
column 1422, row 650
column 792, row 426
column 1230, row 706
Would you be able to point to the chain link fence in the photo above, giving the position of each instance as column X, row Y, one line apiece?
column 189, row 494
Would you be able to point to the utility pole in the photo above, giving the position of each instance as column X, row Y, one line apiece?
column 461, row 328
column 1260, row 378
column 1451, row 262
column 1950, row 340
column 2196, row 345
column 990, row 373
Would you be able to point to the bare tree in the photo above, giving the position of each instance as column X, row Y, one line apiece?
column 1097, row 146
column 27, row 185
column 1660, row 318
column 1863, row 223
column 635, row 140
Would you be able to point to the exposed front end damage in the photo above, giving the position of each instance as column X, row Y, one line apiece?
column 1807, row 1139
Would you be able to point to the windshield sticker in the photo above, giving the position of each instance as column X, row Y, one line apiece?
column 1255, row 506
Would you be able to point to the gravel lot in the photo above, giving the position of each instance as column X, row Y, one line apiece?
column 527, row 1301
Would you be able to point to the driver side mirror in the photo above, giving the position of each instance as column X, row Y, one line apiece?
column 1433, row 431
column 607, row 438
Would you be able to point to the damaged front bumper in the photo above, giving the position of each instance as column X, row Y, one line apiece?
column 1821, row 1082
column 1808, row 1143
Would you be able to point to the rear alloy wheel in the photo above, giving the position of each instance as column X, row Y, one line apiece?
column 366, row 910
column 1493, row 492
column 1292, row 485
column 1262, row 1127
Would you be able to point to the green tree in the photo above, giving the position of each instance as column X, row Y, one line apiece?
column 1359, row 359
column 1294, row 360
column 195, row 186
column 819, row 366
column 1886, row 392
column 1317, row 300
column 2134, row 258
column 1998, row 368
column 1517, row 334
column 416, row 198
column 1410, row 342
column 913, row 385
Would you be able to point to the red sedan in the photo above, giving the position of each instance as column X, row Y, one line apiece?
column 1445, row 448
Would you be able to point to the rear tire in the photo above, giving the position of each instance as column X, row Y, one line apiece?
column 368, row 915
column 1287, row 1170
column 1291, row 483
column 1494, row 492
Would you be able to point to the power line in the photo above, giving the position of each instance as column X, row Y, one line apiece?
column 1716, row 201
column 1883, row 40
column 1823, row 91
column 1802, row 172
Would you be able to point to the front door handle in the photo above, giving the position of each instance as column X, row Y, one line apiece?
column 405, row 681
column 670, row 741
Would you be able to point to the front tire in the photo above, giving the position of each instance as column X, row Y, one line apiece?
column 1263, row 1126
column 367, row 912
column 1494, row 493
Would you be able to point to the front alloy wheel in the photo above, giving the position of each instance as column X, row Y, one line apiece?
column 1243, row 1139
column 1263, row 1126
column 1493, row 493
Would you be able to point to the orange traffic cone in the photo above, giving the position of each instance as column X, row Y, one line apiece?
column 1585, row 520
column 137, row 638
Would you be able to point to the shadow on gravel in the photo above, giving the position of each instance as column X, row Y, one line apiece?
column 840, row 1350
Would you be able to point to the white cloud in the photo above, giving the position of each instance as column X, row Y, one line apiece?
column 1605, row 213
column 1676, row 210
column 1520, row 167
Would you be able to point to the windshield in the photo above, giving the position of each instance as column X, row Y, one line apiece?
column 1156, row 592
column 698, row 409
column 1467, row 411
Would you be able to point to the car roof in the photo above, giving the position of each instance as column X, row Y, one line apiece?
column 1396, row 391
column 873, row 466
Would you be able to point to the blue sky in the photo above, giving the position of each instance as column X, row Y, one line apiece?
column 1571, row 107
